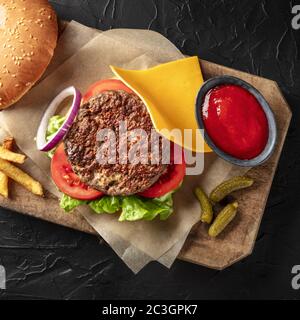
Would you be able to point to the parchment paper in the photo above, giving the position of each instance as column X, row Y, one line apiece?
column 73, row 38
column 136, row 243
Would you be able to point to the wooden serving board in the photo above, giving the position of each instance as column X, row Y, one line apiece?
column 239, row 238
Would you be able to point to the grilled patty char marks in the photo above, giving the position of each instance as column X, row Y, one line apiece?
column 104, row 112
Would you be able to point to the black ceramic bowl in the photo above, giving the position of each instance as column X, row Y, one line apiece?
column 266, row 153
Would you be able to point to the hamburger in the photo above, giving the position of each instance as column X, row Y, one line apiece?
column 106, row 110
column 136, row 189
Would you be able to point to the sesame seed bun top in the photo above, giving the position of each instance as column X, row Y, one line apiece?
column 28, row 35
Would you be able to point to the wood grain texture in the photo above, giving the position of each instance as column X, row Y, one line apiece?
column 238, row 240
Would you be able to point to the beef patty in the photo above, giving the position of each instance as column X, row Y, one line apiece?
column 105, row 111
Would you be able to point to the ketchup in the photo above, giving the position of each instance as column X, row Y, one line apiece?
column 235, row 121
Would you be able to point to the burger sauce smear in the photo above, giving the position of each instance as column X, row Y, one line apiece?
column 235, row 121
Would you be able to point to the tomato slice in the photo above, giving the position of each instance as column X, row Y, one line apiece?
column 103, row 85
column 169, row 181
column 67, row 181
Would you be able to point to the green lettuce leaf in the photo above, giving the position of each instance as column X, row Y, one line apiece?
column 54, row 124
column 132, row 208
column 68, row 204
column 137, row 208
column 106, row 204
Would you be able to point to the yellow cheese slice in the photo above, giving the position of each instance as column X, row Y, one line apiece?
column 169, row 91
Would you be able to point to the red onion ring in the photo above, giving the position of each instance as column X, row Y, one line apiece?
column 41, row 142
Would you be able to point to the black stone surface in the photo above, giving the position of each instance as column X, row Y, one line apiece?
column 47, row 261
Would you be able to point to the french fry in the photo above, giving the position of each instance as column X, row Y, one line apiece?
column 21, row 177
column 3, row 184
column 11, row 156
column 7, row 144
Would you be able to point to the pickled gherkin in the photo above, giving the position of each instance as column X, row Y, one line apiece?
column 223, row 219
column 206, row 207
column 228, row 186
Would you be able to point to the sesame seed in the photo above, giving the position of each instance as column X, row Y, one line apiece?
column 1, row 84
column 17, row 85
column 14, row 75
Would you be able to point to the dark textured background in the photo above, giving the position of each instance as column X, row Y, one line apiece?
column 43, row 260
